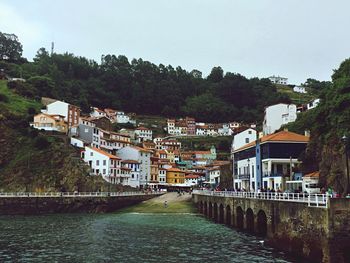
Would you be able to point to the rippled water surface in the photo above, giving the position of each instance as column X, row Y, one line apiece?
column 126, row 237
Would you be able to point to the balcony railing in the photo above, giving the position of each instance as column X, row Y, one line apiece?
column 244, row 176
column 315, row 200
column 273, row 175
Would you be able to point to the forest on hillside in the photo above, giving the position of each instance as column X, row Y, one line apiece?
column 329, row 124
column 139, row 86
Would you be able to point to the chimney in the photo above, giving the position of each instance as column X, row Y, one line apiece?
column 307, row 133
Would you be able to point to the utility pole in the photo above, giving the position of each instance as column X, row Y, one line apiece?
column 52, row 47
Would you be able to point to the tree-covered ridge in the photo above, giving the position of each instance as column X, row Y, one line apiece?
column 142, row 87
column 328, row 123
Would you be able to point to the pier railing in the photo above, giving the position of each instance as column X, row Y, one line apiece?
column 75, row 194
column 314, row 200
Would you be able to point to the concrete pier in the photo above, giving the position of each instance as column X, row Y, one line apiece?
column 318, row 233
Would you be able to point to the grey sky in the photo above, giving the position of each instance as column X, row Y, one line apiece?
column 293, row 38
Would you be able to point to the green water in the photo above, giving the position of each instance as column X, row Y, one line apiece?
column 126, row 237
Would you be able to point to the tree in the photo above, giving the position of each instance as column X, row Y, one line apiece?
column 10, row 48
column 216, row 74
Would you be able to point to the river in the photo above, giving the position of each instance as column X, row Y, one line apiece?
column 127, row 237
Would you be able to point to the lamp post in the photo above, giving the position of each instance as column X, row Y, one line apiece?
column 249, row 174
column 345, row 141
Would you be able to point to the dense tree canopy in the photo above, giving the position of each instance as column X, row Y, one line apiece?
column 10, row 47
column 328, row 123
column 145, row 88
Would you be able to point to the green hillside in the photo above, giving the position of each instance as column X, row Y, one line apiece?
column 297, row 98
column 35, row 161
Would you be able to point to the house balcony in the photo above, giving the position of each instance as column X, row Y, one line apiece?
column 265, row 175
column 244, row 177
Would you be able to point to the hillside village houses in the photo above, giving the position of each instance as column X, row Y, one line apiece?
column 132, row 157
column 278, row 80
column 188, row 127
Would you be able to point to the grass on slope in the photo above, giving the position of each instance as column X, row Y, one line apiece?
column 14, row 103
column 298, row 98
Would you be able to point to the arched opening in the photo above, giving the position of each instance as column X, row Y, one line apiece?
column 250, row 220
column 210, row 210
column 239, row 217
column 261, row 223
column 221, row 214
column 228, row 216
column 215, row 217
column 205, row 209
column 200, row 207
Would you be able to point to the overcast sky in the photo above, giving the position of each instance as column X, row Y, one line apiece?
column 297, row 39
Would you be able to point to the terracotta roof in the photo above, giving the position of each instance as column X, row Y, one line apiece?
column 214, row 168
column 139, row 148
column 282, row 136
column 173, row 169
column 104, row 153
column 202, row 152
column 143, row 128
column 314, row 174
column 130, row 161
column 192, row 176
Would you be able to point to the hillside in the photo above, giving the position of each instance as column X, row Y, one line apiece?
column 295, row 97
column 32, row 161
column 328, row 123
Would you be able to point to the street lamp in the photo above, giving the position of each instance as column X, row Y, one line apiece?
column 345, row 141
column 249, row 174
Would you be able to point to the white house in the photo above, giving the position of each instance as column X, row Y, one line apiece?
column 243, row 138
column 143, row 134
column 104, row 164
column 299, row 89
column 192, row 179
column 70, row 112
column 143, row 156
column 122, row 117
column 171, row 126
column 214, row 175
column 278, row 80
column 313, row 104
column 225, row 130
column 96, row 112
column 278, row 115
column 134, row 168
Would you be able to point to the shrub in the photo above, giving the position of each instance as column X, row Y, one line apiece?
column 41, row 142
column 3, row 98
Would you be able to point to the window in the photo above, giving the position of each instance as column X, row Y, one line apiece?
column 246, row 140
column 91, row 154
column 97, row 162
column 104, row 171
column 104, row 162
column 249, row 132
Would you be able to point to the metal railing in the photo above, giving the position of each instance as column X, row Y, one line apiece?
column 314, row 200
column 75, row 194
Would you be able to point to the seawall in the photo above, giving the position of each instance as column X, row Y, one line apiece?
column 317, row 234
column 79, row 204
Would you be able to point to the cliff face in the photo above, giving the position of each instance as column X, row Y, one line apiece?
column 31, row 161
column 35, row 161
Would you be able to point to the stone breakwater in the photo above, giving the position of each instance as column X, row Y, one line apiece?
column 317, row 234
column 79, row 204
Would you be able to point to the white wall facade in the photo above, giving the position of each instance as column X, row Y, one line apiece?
column 243, row 138
column 143, row 157
column 277, row 115
column 58, row 108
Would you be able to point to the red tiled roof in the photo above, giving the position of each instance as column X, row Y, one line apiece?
column 130, row 161
column 173, row 169
column 104, row 153
column 282, row 136
column 314, row 174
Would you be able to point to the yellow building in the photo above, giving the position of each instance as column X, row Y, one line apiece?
column 48, row 122
column 175, row 176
